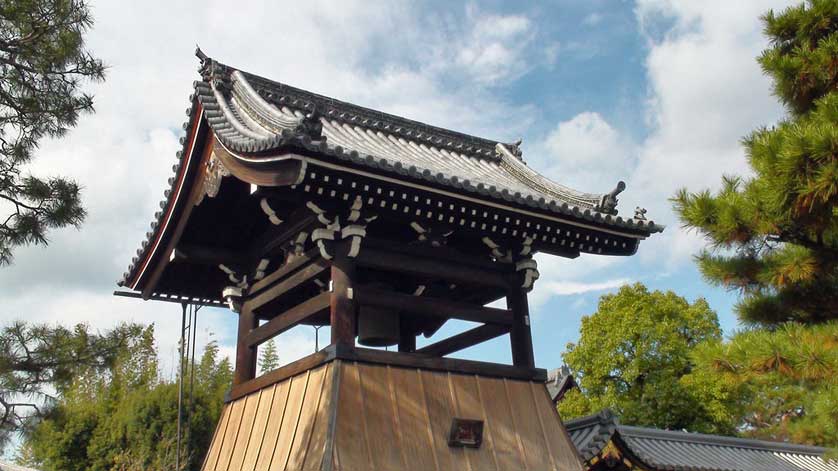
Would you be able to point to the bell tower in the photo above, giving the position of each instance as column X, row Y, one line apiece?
column 297, row 209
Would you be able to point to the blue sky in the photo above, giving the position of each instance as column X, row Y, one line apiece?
column 654, row 92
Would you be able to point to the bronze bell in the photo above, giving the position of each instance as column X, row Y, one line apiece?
column 378, row 327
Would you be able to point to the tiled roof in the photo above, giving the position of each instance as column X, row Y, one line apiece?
column 674, row 450
column 255, row 116
column 559, row 382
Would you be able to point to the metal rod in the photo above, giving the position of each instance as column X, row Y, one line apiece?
column 193, row 328
column 183, row 349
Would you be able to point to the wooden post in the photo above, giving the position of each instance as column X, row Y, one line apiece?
column 407, row 339
column 342, row 307
column 245, row 355
column 520, row 335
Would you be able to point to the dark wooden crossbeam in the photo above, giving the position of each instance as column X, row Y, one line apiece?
column 430, row 268
column 288, row 319
column 433, row 307
column 275, row 238
column 285, row 270
column 464, row 340
column 294, row 280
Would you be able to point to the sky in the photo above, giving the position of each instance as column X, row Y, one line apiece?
column 657, row 93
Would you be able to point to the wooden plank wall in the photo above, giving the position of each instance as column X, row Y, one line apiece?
column 390, row 418
column 272, row 429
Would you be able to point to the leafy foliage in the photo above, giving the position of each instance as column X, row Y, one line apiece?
column 774, row 236
column 43, row 61
column 40, row 362
column 127, row 420
column 632, row 355
column 781, row 384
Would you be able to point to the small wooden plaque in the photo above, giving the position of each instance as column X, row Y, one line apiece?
column 465, row 433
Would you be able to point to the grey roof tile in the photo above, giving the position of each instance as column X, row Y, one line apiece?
column 674, row 450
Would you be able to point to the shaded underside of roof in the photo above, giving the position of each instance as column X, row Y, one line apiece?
column 673, row 450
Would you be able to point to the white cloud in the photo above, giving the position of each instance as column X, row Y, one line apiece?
column 588, row 152
column 592, row 19
column 706, row 93
column 494, row 49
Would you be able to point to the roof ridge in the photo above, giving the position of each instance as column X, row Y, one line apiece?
column 721, row 440
column 339, row 110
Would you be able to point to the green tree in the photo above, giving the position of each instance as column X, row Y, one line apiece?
column 781, row 382
column 774, row 235
column 127, row 419
column 38, row 363
column 631, row 356
column 270, row 359
column 43, row 62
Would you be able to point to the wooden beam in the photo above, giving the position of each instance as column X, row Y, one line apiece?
column 273, row 172
column 289, row 319
column 430, row 268
column 282, row 373
column 285, row 270
column 464, row 340
column 245, row 354
column 448, row 254
column 454, row 365
column 343, row 310
column 434, row 307
column 296, row 279
column 275, row 237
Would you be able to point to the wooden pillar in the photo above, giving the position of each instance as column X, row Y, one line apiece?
column 342, row 307
column 245, row 355
column 407, row 339
column 520, row 334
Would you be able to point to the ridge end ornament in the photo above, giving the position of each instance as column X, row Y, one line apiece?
column 608, row 202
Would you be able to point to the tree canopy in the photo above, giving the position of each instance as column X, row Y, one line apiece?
column 632, row 354
column 775, row 384
column 127, row 419
column 43, row 65
column 38, row 363
column 774, row 235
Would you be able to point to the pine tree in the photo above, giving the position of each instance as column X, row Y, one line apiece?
column 43, row 62
column 270, row 359
column 774, row 235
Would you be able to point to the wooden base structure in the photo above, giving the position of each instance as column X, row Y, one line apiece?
column 350, row 415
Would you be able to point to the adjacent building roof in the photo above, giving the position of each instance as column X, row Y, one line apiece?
column 674, row 450
column 559, row 382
